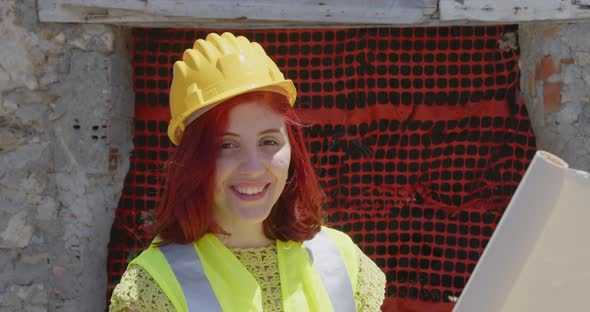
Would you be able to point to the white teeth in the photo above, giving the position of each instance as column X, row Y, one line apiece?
column 249, row 190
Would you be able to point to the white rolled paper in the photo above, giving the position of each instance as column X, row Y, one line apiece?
column 538, row 258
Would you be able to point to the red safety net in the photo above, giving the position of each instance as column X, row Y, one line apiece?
column 418, row 135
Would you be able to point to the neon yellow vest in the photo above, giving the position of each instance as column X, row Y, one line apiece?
column 237, row 290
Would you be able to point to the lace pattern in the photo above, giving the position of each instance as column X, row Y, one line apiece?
column 371, row 285
column 139, row 291
column 263, row 264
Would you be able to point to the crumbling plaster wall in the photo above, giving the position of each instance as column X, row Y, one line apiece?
column 555, row 64
column 66, row 110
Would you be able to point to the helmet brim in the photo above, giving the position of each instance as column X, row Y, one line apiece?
column 177, row 125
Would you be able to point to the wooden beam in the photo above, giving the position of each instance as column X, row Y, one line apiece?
column 507, row 11
column 249, row 13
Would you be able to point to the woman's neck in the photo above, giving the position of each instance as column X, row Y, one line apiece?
column 245, row 236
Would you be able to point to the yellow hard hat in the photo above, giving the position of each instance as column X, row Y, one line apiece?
column 216, row 69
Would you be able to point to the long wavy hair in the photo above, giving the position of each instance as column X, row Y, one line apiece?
column 185, row 210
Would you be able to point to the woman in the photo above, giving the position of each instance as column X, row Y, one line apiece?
column 239, row 224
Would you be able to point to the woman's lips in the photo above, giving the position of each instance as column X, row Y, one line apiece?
column 249, row 192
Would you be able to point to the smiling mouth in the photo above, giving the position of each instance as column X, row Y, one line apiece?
column 250, row 192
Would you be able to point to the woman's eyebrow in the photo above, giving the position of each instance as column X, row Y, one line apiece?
column 270, row 131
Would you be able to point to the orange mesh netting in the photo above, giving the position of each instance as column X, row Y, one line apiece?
column 419, row 139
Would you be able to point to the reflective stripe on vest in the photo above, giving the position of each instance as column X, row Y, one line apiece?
column 327, row 260
column 186, row 265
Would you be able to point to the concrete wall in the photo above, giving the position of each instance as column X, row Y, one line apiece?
column 66, row 107
column 555, row 64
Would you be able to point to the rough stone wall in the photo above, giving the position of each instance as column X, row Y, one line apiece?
column 66, row 108
column 555, row 63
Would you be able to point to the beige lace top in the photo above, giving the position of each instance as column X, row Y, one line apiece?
column 139, row 291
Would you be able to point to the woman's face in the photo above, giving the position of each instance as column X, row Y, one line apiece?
column 252, row 167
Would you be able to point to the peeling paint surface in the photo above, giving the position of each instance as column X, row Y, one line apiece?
column 560, row 112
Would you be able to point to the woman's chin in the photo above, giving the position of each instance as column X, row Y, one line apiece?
column 248, row 215
column 253, row 219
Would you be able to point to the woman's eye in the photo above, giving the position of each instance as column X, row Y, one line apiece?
column 228, row 145
column 269, row 142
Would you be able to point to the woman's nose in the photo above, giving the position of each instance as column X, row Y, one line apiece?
column 252, row 163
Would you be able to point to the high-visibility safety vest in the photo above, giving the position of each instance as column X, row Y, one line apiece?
column 319, row 275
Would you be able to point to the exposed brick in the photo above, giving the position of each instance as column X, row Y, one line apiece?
column 58, row 271
column 567, row 61
column 531, row 84
column 545, row 68
column 538, row 69
column 113, row 159
column 552, row 96
column 552, row 32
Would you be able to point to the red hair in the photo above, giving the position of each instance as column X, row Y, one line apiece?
column 185, row 211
